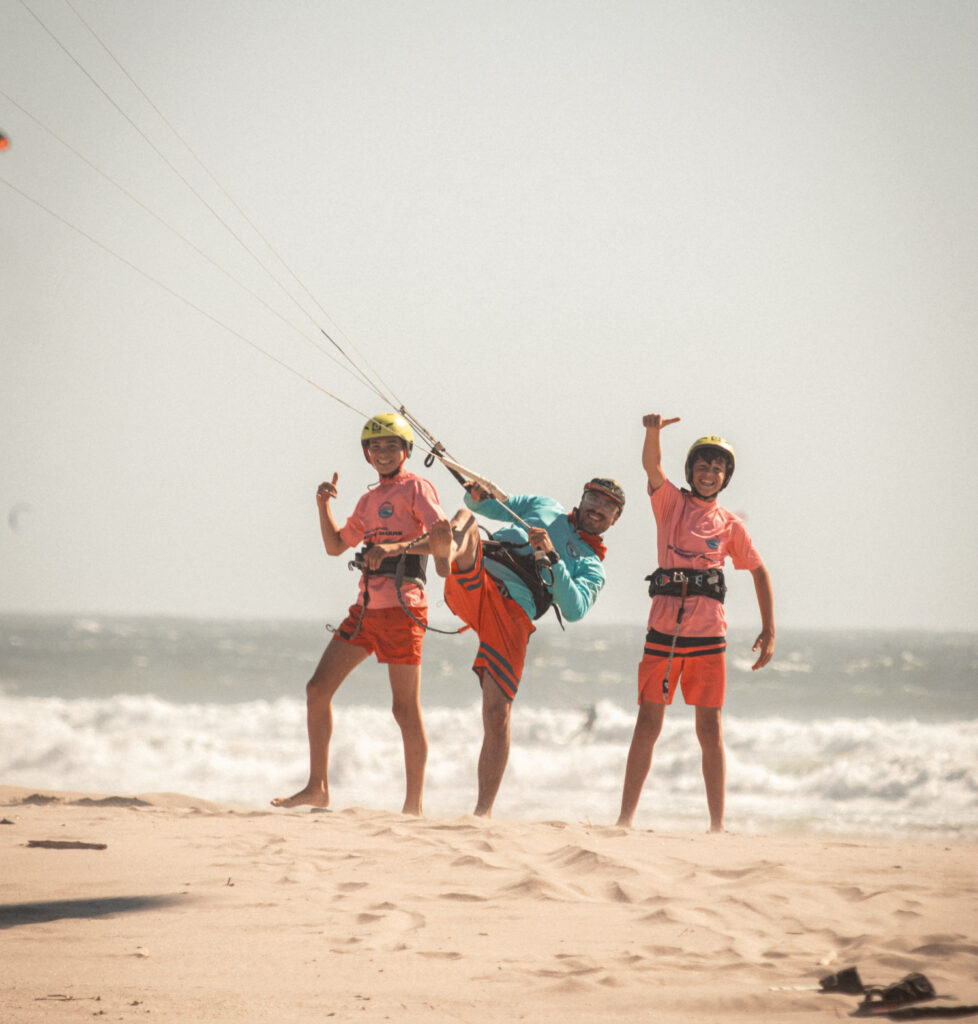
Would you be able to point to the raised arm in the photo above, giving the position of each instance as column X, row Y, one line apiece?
column 765, row 603
column 332, row 540
column 652, row 449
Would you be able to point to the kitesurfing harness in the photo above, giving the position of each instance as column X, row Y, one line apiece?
column 400, row 568
column 405, row 567
column 683, row 583
column 531, row 567
column 688, row 583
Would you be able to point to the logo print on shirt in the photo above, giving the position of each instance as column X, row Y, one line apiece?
column 713, row 543
column 691, row 555
column 572, row 550
column 386, row 510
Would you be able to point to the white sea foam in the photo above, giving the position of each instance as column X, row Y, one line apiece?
column 841, row 733
column 828, row 776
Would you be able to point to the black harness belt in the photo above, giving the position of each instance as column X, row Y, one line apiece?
column 688, row 583
column 683, row 583
column 522, row 565
column 414, row 567
column 399, row 568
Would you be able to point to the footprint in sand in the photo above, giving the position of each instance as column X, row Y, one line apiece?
column 535, row 886
column 470, row 860
column 584, row 861
column 616, row 894
column 765, row 868
column 383, row 928
column 945, row 946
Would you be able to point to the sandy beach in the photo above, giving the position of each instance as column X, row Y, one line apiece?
column 170, row 908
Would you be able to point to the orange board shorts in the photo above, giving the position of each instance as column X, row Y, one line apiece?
column 504, row 628
column 699, row 667
column 389, row 633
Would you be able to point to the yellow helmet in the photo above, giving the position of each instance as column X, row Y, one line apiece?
column 387, row 424
column 720, row 448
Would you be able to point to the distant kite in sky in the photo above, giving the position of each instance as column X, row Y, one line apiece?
column 16, row 514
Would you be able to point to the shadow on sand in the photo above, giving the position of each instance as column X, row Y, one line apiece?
column 14, row 914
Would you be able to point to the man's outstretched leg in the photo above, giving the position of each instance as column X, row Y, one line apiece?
column 503, row 629
column 338, row 661
column 496, row 711
column 453, row 541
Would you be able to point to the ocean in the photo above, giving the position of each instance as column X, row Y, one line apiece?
column 844, row 734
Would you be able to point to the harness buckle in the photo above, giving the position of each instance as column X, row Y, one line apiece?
column 695, row 583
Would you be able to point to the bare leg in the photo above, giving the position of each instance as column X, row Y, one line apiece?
column 441, row 546
column 338, row 661
column 406, row 689
column 455, row 541
column 648, row 725
column 458, row 542
column 496, row 712
column 709, row 732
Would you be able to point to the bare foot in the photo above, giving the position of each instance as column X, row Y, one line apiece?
column 440, row 545
column 624, row 822
column 315, row 796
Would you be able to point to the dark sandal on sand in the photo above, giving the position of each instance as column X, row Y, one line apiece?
column 848, row 982
column 923, row 1012
column 915, row 988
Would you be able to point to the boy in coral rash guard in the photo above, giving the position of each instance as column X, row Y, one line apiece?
column 686, row 641
column 390, row 517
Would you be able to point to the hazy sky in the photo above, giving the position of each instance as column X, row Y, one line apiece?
column 538, row 221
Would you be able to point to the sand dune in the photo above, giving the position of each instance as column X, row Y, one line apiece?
column 196, row 912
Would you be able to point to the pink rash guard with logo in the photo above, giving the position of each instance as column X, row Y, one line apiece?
column 698, row 535
column 402, row 508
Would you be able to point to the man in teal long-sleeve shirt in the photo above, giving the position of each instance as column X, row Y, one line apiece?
column 500, row 586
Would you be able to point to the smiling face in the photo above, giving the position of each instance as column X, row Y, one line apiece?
column 386, row 454
column 708, row 476
column 596, row 512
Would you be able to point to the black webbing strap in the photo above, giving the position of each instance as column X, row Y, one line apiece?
column 400, row 568
column 688, row 582
column 675, row 637
column 399, row 578
column 527, row 569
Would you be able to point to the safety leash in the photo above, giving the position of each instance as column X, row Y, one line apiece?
column 683, row 581
column 399, row 579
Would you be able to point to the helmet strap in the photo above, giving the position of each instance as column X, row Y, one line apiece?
column 702, row 497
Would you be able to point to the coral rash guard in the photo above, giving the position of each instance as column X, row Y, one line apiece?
column 399, row 509
column 695, row 534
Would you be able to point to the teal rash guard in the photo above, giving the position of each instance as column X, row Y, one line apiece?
column 578, row 575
